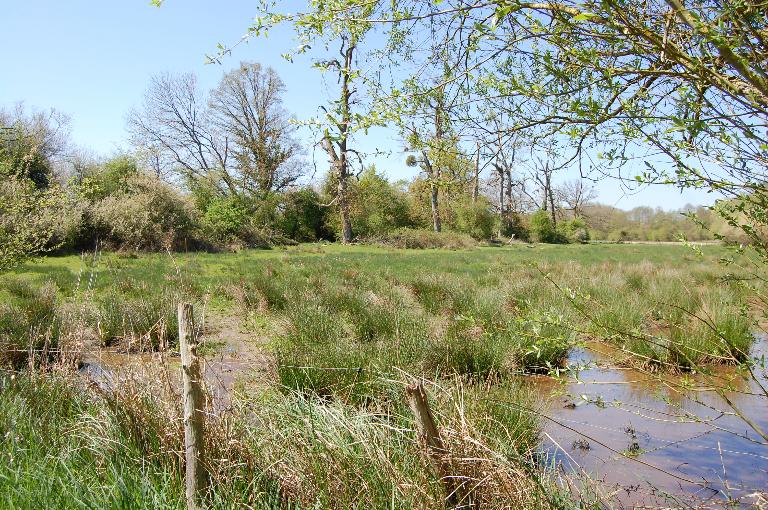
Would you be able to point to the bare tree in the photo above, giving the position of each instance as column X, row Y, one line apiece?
column 175, row 120
column 239, row 138
column 543, row 171
column 576, row 194
column 336, row 144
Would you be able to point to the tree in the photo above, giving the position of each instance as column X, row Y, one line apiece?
column 336, row 134
column 239, row 138
column 610, row 81
column 576, row 195
column 247, row 107
column 327, row 25
column 30, row 142
column 543, row 171
column 427, row 130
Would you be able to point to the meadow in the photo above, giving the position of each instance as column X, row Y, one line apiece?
column 340, row 331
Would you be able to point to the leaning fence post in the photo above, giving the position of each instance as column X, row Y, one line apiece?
column 194, row 409
column 428, row 432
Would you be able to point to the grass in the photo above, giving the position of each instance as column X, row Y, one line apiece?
column 64, row 446
column 62, row 450
column 29, row 323
column 479, row 312
column 346, row 327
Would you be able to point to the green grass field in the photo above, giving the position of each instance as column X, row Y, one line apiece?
column 343, row 327
column 477, row 312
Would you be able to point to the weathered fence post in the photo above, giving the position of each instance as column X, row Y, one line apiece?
column 194, row 410
column 428, row 432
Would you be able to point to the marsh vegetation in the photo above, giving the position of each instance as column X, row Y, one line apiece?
column 339, row 331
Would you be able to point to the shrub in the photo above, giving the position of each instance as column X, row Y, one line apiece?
column 575, row 230
column 515, row 226
column 475, row 218
column 422, row 239
column 542, row 229
column 149, row 215
column 112, row 178
column 29, row 219
column 224, row 219
column 376, row 206
column 235, row 222
column 301, row 216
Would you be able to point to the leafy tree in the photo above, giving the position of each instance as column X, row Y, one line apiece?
column 30, row 142
column 608, row 81
column 28, row 220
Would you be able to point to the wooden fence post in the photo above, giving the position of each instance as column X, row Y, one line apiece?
column 429, row 433
column 194, row 410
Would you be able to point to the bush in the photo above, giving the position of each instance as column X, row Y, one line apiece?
column 543, row 231
column 235, row 222
column 422, row 239
column 376, row 206
column 148, row 215
column 29, row 219
column 225, row 219
column 475, row 218
column 515, row 226
column 301, row 216
column 575, row 230
column 111, row 178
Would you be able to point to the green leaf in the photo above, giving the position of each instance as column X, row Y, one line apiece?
column 584, row 16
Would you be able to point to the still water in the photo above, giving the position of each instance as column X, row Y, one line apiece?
column 650, row 441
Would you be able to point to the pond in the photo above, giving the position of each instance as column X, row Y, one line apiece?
column 648, row 440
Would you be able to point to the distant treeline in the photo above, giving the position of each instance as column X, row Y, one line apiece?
column 227, row 173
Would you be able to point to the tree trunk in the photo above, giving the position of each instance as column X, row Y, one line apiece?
column 476, row 183
column 501, row 193
column 436, row 223
column 510, row 206
column 551, row 200
column 436, row 174
column 346, row 224
column 508, row 171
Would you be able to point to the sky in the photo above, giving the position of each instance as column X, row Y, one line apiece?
column 94, row 60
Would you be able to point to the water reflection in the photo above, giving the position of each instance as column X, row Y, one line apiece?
column 656, row 439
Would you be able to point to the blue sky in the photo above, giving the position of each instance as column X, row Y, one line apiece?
column 93, row 61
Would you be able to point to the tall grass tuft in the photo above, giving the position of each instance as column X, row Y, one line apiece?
column 30, row 324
